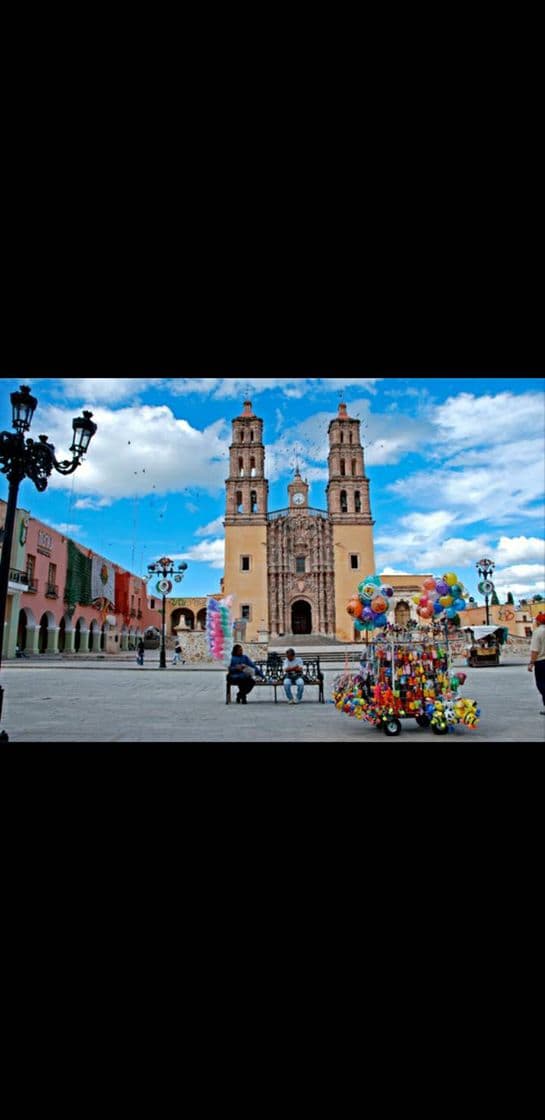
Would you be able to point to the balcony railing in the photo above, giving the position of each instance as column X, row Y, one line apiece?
column 52, row 591
column 284, row 512
column 140, row 615
column 15, row 576
column 133, row 613
column 32, row 585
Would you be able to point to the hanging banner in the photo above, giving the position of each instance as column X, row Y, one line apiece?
column 102, row 579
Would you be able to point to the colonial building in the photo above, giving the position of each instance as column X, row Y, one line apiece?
column 293, row 570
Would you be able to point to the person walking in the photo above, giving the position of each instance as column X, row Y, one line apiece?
column 537, row 656
column 178, row 656
column 140, row 652
column 293, row 674
column 241, row 672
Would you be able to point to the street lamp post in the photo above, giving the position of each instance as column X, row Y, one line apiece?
column 22, row 458
column 165, row 569
column 485, row 569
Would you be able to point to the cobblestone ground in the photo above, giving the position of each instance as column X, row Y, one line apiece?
column 108, row 703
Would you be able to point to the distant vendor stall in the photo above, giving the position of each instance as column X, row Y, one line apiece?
column 484, row 644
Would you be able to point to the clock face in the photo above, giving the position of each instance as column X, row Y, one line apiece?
column 298, row 499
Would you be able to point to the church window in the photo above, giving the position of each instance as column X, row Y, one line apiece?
column 246, row 612
column 344, row 502
column 343, row 467
column 242, row 436
column 240, row 506
column 253, row 502
column 353, row 467
column 300, row 564
column 350, row 437
column 357, row 501
column 252, row 467
column 245, row 563
column 251, row 437
column 342, row 437
column 354, row 561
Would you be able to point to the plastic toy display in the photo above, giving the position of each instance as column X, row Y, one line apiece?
column 406, row 678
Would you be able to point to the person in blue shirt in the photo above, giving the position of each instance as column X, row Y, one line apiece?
column 237, row 675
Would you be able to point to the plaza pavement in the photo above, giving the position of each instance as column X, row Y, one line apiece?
column 108, row 701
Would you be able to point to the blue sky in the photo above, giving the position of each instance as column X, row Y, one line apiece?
column 456, row 465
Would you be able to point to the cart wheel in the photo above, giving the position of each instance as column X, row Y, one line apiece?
column 423, row 721
column 392, row 727
column 440, row 729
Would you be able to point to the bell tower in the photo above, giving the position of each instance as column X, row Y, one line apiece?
column 349, row 511
column 298, row 493
column 246, row 518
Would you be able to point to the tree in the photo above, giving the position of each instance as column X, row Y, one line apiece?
column 537, row 599
column 510, row 599
column 494, row 600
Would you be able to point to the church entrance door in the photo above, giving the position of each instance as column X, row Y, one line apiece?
column 301, row 618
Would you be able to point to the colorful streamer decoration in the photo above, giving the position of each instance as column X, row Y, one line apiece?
column 219, row 627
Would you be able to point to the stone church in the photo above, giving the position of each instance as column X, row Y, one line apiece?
column 292, row 571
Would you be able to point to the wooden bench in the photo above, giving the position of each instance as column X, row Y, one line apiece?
column 273, row 674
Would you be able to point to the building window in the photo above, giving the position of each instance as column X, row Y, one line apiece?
column 251, row 437
column 30, row 568
column 152, row 604
column 241, row 468
column 353, row 467
column 300, row 564
column 246, row 612
column 357, row 501
column 253, row 502
column 240, row 506
column 245, row 563
column 354, row 561
column 342, row 437
column 344, row 502
column 343, row 467
column 242, row 436
column 350, row 437
column 252, row 467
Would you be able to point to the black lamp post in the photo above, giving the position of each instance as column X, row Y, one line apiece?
column 165, row 568
column 485, row 569
column 22, row 458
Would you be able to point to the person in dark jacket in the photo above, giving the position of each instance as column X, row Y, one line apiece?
column 237, row 675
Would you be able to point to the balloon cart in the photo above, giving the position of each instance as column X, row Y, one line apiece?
column 403, row 673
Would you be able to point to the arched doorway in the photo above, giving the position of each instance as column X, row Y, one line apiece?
column 44, row 633
column 103, row 638
column 201, row 619
column 62, row 635
column 301, row 618
column 22, row 630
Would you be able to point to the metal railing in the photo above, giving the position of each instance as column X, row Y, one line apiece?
column 52, row 591
column 304, row 509
column 16, row 576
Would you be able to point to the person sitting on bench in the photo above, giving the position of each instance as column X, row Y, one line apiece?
column 241, row 672
column 293, row 674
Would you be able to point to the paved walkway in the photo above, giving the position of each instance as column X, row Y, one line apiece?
column 118, row 702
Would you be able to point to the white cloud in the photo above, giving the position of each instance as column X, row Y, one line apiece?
column 142, row 450
column 490, row 420
column 94, row 391
column 210, row 529
column 65, row 528
column 208, row 552
column 242, row 387
column 513, row 549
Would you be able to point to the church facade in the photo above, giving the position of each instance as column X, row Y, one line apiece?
column 293, row 570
